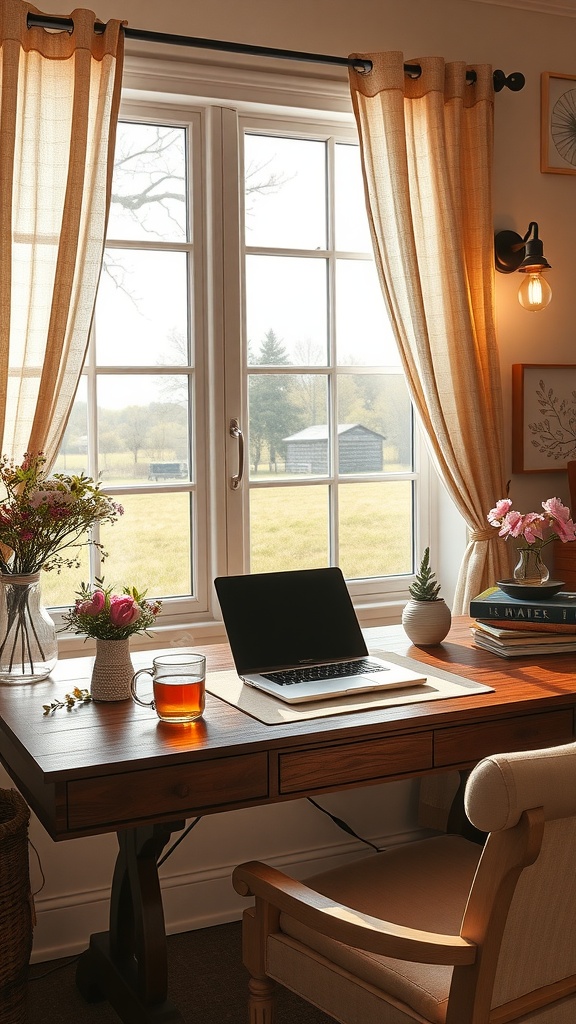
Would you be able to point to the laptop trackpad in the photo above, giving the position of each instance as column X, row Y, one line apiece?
column 377, row 681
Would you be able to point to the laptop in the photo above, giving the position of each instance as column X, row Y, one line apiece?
column 295, row 635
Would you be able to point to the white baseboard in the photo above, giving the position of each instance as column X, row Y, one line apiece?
column 192, row 899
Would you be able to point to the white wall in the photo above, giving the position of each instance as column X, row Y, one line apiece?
column 73, row 902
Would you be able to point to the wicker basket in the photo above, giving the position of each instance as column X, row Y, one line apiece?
column 15, row 906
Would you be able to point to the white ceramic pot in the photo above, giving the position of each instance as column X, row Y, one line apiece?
column 426, row 623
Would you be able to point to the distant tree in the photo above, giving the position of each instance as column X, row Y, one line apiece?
column 134, row 428
column 273, row 414
column 310, row 388
column 257, row 183
column 108, row 442
column 148, row 171
column 175, row 387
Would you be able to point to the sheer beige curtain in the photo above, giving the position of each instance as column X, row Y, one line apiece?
column 426, row 147
column 59, row 99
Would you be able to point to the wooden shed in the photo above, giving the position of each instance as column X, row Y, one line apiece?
column 359, row 449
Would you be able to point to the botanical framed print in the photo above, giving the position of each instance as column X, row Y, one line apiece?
column 558, row 123
column 543, row 417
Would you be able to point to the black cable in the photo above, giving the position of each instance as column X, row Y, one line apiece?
column 177, row 842
column 59, row 967
column 40, row 868
column 345, row 826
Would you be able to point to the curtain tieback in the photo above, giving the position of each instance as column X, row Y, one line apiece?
column 486, row 534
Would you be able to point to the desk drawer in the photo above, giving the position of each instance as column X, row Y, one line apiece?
column 180, row 790
column 467, row 743
column 352, row 763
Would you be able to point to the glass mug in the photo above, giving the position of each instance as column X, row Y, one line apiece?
column 179, row 685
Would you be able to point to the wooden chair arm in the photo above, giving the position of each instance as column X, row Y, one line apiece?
column 344, row 924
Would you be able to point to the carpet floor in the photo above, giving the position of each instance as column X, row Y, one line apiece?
column 207, row 982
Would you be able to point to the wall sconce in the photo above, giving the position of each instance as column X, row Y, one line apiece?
column 526, row 255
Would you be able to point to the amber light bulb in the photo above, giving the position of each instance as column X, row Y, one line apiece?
column 534, row 292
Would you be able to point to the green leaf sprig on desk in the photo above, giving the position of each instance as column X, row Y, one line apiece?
column 69, row 701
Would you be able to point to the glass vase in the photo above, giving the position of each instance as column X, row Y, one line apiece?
column 28, row 644
column 531, row 570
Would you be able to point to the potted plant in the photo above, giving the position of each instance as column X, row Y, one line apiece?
column 111, row 619
column 426, row 618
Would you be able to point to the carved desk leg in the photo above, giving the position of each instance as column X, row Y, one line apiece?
column 128, row 965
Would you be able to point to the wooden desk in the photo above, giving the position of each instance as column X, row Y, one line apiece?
column 115, row 767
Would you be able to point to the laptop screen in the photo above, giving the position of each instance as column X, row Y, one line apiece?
column 281, row 620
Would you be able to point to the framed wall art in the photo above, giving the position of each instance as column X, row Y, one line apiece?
column 543, row 417
column 558, row 123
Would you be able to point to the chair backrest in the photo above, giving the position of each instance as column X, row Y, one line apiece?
column 522, row 906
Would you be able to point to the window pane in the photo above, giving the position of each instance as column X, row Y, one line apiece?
column 284, row 410
column 287, row 296
column 288, row 528
column 352, row 232
column 374, row 423
column 363, row 332
column 73, row 454
column 149, row 546
column 143, row 427
column 62, row 588
column 149, row 184
column 375, row 528
column 142, row 309
column 285, row 189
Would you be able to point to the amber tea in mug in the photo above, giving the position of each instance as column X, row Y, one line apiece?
column 178, row 681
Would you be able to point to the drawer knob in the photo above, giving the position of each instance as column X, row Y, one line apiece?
column 183, row 789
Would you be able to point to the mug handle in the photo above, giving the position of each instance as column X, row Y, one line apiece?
column 134, row 695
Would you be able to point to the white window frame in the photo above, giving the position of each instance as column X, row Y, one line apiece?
column 217, row 99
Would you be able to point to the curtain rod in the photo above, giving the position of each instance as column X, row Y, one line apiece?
column 514, row 81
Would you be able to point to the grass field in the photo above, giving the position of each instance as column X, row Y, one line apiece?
column 289, row 528
column 149, row 546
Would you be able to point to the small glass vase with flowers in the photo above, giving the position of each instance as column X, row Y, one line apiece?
column 44, row 521
column 533, row 531
column 111, row 619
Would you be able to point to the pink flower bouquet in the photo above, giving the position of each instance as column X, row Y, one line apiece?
column 535, row 529
column 42, row 516
column 107, row 616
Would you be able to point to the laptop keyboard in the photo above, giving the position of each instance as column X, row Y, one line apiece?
column 313, row 673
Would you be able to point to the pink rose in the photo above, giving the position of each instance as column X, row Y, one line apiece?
column 496, row 515
column 124, row 610
column 533, row 526
column 562, row 524
column 511, row 524
column 94, row 606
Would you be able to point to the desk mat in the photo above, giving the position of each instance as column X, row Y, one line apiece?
column 267, row 709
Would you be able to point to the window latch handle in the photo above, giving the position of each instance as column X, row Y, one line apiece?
column 236, row 431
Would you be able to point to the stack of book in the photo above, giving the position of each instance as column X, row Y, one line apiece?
column 514, row 628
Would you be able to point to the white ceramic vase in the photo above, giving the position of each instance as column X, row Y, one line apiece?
column 426, row 623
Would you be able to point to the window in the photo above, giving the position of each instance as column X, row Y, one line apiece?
column 329, row 418
column 239, row 309
column 135, row 419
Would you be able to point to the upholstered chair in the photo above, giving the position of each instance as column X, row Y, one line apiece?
column 438, row 931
